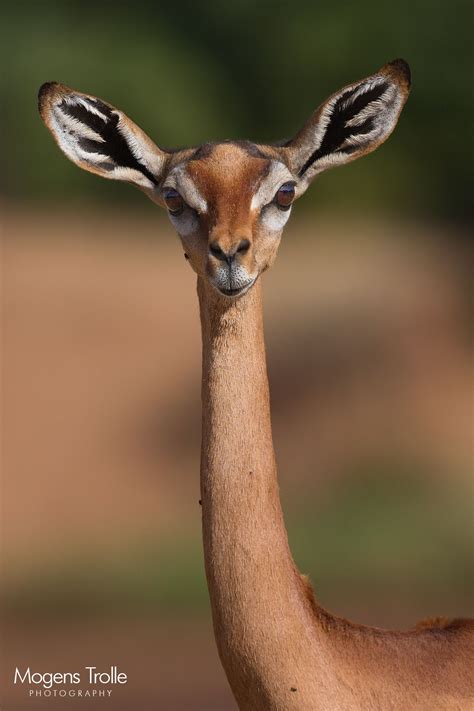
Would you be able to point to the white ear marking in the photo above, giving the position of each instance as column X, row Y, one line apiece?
column 152, row 160
column 132, row 176
column 69, row 131
column 72, row 126
column 75, row 100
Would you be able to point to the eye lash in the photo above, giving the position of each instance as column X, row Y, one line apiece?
column 176, row 213
column 273, row 203
column 283, row 208
column 185, row 207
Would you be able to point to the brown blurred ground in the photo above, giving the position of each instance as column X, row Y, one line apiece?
column 368, row 358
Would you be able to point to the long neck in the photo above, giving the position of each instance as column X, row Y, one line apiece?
column 260, row 611
column 279, row 649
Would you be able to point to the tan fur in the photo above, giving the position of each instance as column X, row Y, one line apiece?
column 280, row 649
column 228, row 178
column 271, row 633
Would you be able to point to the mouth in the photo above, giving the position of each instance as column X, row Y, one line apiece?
column 232, row 293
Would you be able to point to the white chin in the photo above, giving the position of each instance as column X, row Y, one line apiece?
column 235, row 293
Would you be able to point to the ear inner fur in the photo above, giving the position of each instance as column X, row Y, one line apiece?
column 100, row 138
column 351, row 123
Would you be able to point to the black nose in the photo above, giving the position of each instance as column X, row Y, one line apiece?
column 217, row 252
column 243, row 246
column 228, row 256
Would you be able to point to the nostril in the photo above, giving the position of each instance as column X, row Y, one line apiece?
column 243, row 246
column 216, row 250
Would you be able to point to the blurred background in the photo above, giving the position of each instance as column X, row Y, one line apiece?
column 368, row 337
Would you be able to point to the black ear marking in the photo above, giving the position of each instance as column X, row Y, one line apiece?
column 89, row 118
column 113, row 145
column 346, row 108
column 352, row 122
column 101, row 139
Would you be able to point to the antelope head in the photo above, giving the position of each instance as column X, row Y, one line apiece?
column 229, row 201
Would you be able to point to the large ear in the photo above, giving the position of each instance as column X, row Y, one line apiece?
column 351, row 123
column 100, row 138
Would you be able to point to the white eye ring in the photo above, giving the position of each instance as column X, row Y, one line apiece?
column 274, row 218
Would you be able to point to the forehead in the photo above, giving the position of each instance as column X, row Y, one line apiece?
column 230, row 177
column 225, row 168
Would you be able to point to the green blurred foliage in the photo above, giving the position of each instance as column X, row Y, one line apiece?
column 189, row 72
column 381, row 524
